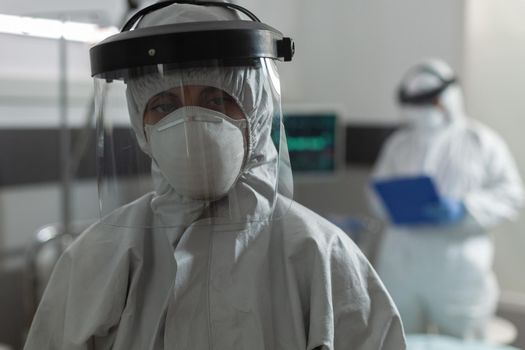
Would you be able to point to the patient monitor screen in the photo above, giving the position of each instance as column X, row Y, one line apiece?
column 311, row 139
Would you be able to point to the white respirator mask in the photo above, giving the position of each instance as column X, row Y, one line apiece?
column 427, row 117
column 200, row 152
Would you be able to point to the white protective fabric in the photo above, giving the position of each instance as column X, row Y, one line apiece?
column 298, row 283
column 294, row 283
column 443, row 274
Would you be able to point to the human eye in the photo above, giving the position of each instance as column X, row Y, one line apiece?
column 164, row 108
column 160, row 106
column 220, row 101
column 215, row 99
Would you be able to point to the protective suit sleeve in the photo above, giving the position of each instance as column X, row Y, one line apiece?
column 501, row 196
column 349, row 306
column 83, row 299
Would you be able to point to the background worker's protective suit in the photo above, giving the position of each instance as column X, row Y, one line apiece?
column 440, row 274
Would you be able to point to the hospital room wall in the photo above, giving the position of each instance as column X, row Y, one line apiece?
column 494, row 81
column 359, row 49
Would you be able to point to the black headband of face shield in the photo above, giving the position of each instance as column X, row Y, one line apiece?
column 427, row 97
column 189, row 44
column 161, row 4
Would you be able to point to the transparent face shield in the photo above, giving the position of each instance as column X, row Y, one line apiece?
column 198, row 144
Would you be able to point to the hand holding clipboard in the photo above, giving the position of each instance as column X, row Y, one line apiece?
column 415, row 200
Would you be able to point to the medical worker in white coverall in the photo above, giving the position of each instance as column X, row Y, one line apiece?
column 440, row 274
column 217, row 255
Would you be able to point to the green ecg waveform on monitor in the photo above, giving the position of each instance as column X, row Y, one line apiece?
column 308, row 143
column 311, row 141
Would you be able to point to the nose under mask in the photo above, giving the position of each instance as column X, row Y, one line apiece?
column 200, row 152
column 425, row 117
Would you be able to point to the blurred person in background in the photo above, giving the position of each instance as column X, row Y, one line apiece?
column 440, row 273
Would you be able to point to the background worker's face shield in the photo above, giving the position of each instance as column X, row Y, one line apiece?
column 192, row 143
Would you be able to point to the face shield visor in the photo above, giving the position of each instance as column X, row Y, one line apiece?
column 189, row 124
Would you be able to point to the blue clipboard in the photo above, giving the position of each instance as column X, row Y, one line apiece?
column 405, row 198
